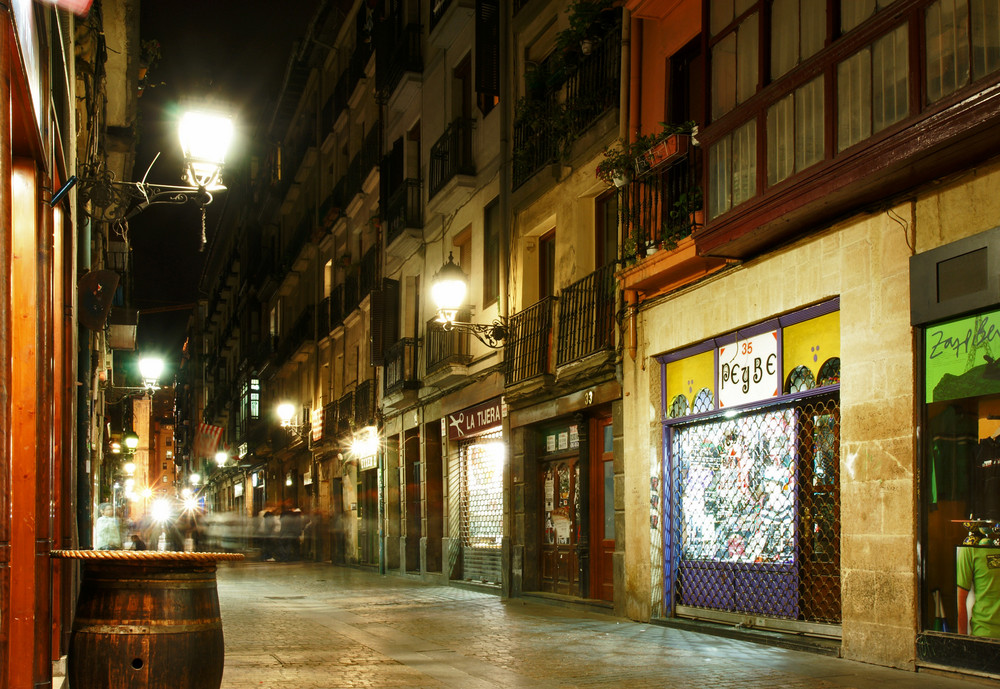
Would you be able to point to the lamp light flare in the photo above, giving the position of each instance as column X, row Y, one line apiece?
column 161, row 510
column 205, row 139
column 449, row 290
column 286, row 410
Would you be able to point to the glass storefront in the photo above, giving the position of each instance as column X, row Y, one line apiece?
column 960, row 495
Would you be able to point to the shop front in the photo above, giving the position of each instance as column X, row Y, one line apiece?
column 749, row 496
column 956, row 309
column 366, row 509
column 475, row 438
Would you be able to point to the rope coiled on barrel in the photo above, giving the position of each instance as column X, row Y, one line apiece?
column 145, row 555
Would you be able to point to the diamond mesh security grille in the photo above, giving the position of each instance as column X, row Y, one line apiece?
column 482, row 491
column 757, row 512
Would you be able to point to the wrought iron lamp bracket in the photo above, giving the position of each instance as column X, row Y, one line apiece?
column 492, row 335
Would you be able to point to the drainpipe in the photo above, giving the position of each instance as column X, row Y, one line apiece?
column 632, row 300
column 506, row 105
column 624, row 95
column 632, row 67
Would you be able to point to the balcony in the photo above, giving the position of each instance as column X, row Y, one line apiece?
column 294, row 259
column 336, row 303
column 356, row 71
column 587, row 317
column 371, row 156
column 345, row 412
column 404, row 219
column 353, row 186
column 448, row 353
column 330, row 411
column 298, row 342
column 658, row 212
column 364, row 404
column 398, row 66
column 400, row 377
column 452, row 173
column 529, row 339
column 448, row 19
column 549, row 123
column 367, row 274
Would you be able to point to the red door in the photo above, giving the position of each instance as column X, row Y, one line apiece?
column 602, row 509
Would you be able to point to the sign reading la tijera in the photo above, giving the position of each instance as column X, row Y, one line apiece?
column 475, row 420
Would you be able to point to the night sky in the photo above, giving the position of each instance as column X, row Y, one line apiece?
column 228, row 53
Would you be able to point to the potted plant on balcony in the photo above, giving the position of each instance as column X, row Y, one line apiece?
column 623, row 160
column 682, row 219
column 589, row 21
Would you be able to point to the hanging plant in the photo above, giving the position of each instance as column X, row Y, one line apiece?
column 628, row 160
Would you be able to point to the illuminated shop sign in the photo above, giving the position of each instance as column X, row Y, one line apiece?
column 748, row 370
column 475, row 420
column 962, row 357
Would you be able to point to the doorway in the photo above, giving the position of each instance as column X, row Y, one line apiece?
column 602, row 509
column 561, row 500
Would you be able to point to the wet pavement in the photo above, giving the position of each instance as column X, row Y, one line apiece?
column 318, row 626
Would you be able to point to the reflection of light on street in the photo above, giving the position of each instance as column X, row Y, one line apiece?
column 161, row 511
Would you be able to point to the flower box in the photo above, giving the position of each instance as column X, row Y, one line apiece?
column 673, row 147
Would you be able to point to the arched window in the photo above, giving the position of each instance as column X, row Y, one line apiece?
column 801, row 378
column 829, row 372
column 703, row 401
column 679, row 407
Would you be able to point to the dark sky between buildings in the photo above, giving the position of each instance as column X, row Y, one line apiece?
column 228, row 53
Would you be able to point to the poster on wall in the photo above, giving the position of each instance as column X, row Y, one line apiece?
column 748, row 370
column 962, row 357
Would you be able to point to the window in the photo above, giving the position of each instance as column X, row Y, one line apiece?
column 872, row 87
column 962, row 42
column 853, row 13
column 733, row 169
column 491, row 252
column 734, row 66
column 547, row 265
column 607, row 229
column 801, row 24
column 795, row 132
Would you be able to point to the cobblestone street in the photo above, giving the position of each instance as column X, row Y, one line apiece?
column 316, row 626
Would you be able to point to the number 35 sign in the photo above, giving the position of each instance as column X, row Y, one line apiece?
column 748, row 370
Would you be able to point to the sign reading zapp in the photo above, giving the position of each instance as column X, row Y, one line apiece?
column 961, row 357
column 748, row 370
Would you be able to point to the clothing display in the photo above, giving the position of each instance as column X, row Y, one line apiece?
column 978, row 569
column 986, row 480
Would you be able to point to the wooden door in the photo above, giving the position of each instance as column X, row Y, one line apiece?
column 560, row 506
column 602, row 509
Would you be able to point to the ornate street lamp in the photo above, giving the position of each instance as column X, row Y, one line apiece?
column 286, row 412
column 205, row 137
column 448, row 290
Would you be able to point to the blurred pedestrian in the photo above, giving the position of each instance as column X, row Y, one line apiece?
column 107, row 532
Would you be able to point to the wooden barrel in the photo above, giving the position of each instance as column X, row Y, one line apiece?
column 147, row 620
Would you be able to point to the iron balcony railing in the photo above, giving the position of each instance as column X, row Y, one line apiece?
column 353, row 179
column 295, row 245
column 336, row 306
column 451, row 154
column 364, row 403
column 345, row 412
column 401, row 367
column 446, row 347
column 438, row 9
column 356, row 67
column 368, row 274
column 398, row 54
column 658, row 206
column 371, row 152
column 352, row 289
column 330, row 420
column 590, row 89
column 529, row 340
column 404, row 209
column 323, row 318
column 587, row 316
column 296, row 336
